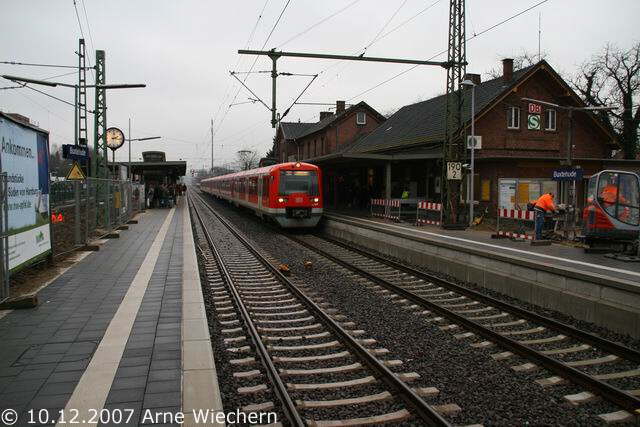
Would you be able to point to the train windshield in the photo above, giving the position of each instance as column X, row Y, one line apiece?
column 619, row 194
column 298, row 182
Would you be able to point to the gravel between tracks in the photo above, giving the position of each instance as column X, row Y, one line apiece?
column 487, row 390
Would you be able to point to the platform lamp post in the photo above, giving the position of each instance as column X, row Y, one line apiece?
column 135, row 139
column 473, row 146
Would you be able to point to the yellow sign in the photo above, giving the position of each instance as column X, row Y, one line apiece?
column 117, row 200
column 75, row 173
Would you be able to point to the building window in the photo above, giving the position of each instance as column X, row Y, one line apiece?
column 361, row 118
column 550, row 120
column 513, row 118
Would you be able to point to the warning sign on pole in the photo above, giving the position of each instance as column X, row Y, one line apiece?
column 75, row 173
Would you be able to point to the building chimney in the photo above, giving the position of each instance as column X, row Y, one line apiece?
column 475, row 78
column 325, row 114
column 507, row 69
column 339, row 107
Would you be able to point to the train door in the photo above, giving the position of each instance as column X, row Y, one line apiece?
column 265, row 190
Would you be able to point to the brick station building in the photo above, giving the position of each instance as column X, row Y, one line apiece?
column 321, row 140
column 520, row 149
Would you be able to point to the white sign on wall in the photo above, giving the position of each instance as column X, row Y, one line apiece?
column 24, row 156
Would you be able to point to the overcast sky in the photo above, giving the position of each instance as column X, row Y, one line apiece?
column 183, row 50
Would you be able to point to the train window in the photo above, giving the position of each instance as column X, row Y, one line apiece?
column 298, row 182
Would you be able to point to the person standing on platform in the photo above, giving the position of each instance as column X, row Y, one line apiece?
column 543, row 205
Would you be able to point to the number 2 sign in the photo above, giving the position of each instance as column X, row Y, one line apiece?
column 454, row 170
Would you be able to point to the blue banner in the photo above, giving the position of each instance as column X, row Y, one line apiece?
column 574, row 174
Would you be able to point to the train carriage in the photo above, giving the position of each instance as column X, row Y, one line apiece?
column 289, row 193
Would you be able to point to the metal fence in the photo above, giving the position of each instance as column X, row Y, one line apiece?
column 82, row 210
column 4, row 238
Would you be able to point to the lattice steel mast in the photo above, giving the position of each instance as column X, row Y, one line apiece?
column 82, row 95
column 454, row 149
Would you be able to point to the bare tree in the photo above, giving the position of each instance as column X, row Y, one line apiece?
column 612, row 78
column 524, row 59
column 247, row 159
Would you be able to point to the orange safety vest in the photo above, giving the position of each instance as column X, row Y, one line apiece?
column 545, row 202
column 610, row 194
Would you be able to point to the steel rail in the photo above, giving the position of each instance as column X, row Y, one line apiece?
column 421, row 409
column 607, row 391
column 289, row 407
column 587, row 337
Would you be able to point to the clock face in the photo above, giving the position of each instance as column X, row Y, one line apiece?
column 115, row 138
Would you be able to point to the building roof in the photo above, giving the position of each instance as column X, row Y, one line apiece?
column 292, row 130
column 12, row 117
column 424, row 122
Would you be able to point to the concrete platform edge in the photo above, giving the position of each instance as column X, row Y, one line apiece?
column 200, row 389
column 579, row 295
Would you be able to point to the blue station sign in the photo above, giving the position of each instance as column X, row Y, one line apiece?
column 573, row 174
column 75, row 152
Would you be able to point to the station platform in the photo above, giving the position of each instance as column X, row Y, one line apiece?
column 123, row 329
column 589, row 287
column 554, row 254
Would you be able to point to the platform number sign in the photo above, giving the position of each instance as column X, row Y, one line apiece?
column 454, row 171
column 533, row 122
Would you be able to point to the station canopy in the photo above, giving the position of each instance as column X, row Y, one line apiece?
column 155, row 167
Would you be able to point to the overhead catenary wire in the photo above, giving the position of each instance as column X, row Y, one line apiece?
column 320, row 22
column 229, row 88
column 30, row 64
column 474, row 36
column 252, row 65
column 86, row 18
column 375, row 38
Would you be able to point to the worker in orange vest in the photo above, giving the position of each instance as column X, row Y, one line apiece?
column 611, row 196
column 543, row 205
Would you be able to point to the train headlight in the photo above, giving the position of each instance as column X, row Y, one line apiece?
column 316, row 200
column 298, row 164
column 281, row 200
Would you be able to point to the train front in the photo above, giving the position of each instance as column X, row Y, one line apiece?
column 297, row 195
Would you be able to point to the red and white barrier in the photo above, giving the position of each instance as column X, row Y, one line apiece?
column 393, row 209
column 378, row 208
column 386, row 208
column 429, row 213
column 519, row 220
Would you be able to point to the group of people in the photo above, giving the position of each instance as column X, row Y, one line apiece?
column 164, row 196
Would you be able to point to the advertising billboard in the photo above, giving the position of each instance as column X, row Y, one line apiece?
column 24, row 156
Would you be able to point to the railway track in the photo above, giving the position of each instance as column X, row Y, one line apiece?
column 605, row 369
column 291, row 344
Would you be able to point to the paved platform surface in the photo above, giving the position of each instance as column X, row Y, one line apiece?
column 108, row 332
column 555, row 254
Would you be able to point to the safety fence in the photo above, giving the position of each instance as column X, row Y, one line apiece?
column 515, row 223
column 429, row 213
column 386, row 208
column 82, row 210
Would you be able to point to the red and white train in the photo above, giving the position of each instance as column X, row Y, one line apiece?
column 288, row 193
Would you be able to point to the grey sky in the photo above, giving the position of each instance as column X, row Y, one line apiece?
column 184, row 49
